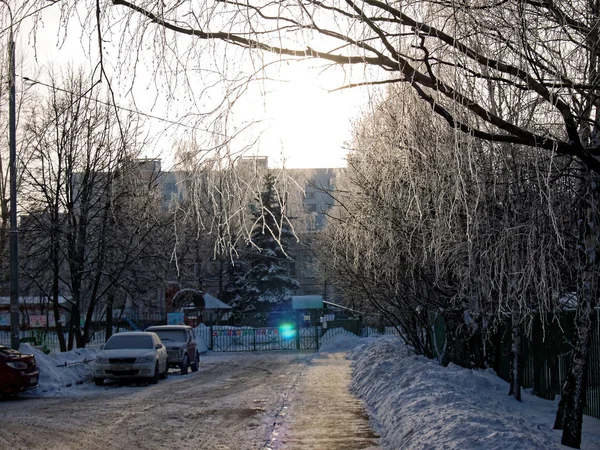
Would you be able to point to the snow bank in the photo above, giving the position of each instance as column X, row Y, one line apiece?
column 59, row 371
column 341, row 340
column 201, row 331
column 338, row 340
column 415, row 403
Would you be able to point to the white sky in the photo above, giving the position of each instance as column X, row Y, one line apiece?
column 299, row 121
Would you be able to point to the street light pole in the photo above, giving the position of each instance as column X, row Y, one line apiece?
column 14, row 232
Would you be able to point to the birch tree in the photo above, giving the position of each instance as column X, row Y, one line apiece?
column 435, row 224
column 220, row 215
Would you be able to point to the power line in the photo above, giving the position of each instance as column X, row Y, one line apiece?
column 122, row 108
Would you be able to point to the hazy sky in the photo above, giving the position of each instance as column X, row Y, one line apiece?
column 298, row 120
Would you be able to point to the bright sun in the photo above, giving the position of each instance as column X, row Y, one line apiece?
column 306, row 123
column 303, row 125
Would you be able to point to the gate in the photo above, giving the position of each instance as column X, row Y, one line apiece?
column 244, row 339
column 286, row 330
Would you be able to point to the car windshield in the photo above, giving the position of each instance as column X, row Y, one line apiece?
column 172, row 335
column 134, row 342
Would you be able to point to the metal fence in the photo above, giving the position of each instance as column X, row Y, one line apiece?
column 545, row 358
column 48, row 341
column 283, row 330
column 303, row 330
column 138, row 321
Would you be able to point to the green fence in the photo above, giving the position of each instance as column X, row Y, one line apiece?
column 284, row 330
column 545, row 358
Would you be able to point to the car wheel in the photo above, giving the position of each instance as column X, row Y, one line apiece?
column 184, row 365
column 165, row 374
column 194, row 365
column 99, row 381
column 154, row 379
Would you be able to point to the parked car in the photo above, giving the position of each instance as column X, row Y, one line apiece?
column 132, row 355
column 181, row 345
column 18, row 372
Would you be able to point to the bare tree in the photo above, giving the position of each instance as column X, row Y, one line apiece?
column 214, row 222
column 90, row 212
column 451, row 53
column 437, row 224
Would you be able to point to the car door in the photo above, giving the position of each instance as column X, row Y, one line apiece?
column 191, row 345
column 163, row 356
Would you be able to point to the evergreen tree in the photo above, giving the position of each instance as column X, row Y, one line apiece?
column 237, row 293
column 268, row 281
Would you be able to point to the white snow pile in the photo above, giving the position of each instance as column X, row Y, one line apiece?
column 201, row 332
column 414, row 403
column 59, row 371
column 340, row 340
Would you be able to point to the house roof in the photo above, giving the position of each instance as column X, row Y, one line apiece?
column 211, row 302
column 307, row 302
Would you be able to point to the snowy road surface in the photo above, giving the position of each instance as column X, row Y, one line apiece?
column 323, row 413
column 236, row 401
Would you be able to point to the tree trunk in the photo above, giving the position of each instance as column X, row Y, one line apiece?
column 515, row 350
column 559, row 420
column 109, row 315
column 570, row 410
column 74, row 324
column 59, row 326
column 56, row 305
column 3, row 236
column 575, row 401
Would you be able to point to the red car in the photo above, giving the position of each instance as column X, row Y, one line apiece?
column 18, row 372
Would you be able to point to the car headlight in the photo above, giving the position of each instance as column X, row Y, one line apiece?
column 17, row 365
column 145, row 359
column 101, row 360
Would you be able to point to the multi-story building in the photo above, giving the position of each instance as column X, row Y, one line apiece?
column 112, row 206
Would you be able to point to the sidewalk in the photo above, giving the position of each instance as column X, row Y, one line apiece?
column 322, row 414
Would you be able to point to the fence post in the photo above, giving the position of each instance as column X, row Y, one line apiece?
column 317, row 336
column 211, row 336
column 297, row 324
column 254, row 338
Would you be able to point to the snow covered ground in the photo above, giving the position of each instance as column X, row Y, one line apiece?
column 413, row 403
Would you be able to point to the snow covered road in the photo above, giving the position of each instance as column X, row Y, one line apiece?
column 235, row 401
column 285, row 401
column 323, row 415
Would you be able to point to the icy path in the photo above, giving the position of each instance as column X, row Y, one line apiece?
column 322, row 414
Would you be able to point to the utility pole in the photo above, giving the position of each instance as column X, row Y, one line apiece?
column 14, row 233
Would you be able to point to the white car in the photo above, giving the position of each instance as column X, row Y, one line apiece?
column 132, row 355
